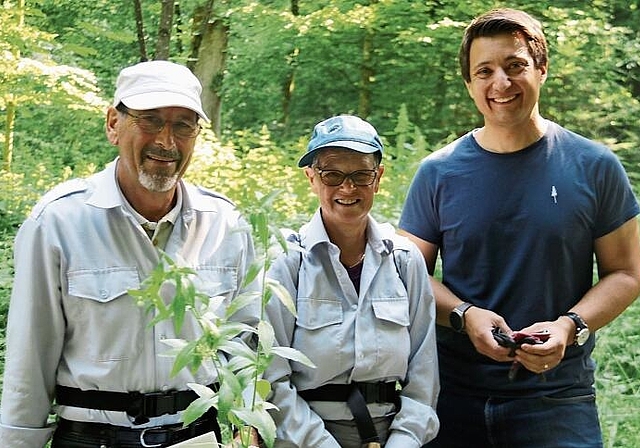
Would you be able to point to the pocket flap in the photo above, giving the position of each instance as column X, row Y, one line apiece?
column 216, row 280
column 392, row 310
column 318, row 313
column 103, row 285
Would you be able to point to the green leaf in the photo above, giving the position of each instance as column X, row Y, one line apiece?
column 202, row 390
column 261, row 420
column 238, row 363
column 230, row 329
column 263, row 388
column 282, row 294
column 293, row 355
column 254, row 269
column 238, row 347
column 242, row 301
column 266, row 336
column 184, row 358
column 229, row 394
column 197, row 408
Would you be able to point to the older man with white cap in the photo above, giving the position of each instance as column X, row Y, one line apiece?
column 366, row 312
column 78, row 346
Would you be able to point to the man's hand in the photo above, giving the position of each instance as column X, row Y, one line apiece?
column 513, row 341
column 479, row 324
column 543, row 357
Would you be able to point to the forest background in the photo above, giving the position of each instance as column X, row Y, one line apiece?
column 271, row 70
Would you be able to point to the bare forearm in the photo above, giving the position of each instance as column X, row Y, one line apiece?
column 607, row 299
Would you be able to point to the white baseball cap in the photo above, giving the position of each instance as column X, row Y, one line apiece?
column 156, row 84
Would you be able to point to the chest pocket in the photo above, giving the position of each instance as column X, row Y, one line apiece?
column 216, row 280
column 102, row 285
column 395, row 310
column 97, row 303
column 222, row 281
column 314, row 314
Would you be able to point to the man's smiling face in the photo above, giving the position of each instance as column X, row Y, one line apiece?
column 505, row 83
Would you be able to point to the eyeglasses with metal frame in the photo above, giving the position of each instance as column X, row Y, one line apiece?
column 360, row 178
column 151, row 124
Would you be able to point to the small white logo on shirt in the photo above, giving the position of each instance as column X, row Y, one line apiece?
column 554, row 194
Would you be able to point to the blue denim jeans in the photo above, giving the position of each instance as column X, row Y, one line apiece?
column 544, row 422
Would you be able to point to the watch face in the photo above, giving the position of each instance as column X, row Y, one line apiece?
column 455, row 319
column 582, row 336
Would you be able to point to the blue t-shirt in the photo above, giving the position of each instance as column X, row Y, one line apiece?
column 516, row 235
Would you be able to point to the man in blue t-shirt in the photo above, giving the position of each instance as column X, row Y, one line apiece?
column 517, row 210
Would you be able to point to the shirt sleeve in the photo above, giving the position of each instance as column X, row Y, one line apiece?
column 419, row 216
column 417, row 423
column 297, row 425
column 618, row 203
column 35, row 334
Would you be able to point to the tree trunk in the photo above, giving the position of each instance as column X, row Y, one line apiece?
column 366, row 75
column 7, row 153
column 140, row 31
column 177, row 13
column 201, row 18
column 209, row 68
column 366, row 70
column 11, row 106
column 289, row 82
column 164, row 31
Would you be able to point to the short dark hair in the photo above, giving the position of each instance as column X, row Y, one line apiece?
column 120, row 107
column 501, row 21
column 377, row 156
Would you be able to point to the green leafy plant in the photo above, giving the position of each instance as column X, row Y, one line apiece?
column 239, row 352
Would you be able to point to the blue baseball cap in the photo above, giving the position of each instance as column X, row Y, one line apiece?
column 342, row 131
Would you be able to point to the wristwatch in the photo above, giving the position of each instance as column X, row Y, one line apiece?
column 456, row 318
column 582, row 329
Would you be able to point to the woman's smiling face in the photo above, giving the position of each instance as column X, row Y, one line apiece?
column 346, row 203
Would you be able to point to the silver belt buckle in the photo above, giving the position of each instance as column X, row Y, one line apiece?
column 143, row 443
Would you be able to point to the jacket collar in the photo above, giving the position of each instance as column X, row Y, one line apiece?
column 378, row 235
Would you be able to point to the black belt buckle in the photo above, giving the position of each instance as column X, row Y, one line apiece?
column 155, row 404
column 152, row 404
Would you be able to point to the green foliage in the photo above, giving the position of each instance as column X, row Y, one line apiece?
column 61, row 64
column 618, row 370
column 6, row 278
column 240, row 361
column 20, row 191
column 250, row 163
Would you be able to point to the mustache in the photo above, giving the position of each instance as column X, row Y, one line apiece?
column 161, row 152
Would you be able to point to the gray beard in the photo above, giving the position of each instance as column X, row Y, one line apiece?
column 157, row 182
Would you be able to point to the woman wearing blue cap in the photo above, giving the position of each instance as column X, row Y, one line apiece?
column 366, row 312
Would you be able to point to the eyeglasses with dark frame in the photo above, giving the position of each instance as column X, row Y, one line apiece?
column 333, row 178
column 152, row 124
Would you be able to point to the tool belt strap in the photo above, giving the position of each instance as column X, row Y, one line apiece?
column 135, row 404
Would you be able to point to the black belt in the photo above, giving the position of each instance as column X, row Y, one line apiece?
column 149, row 437
column 357, row 395
column 372, row 392
column 138, row 405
